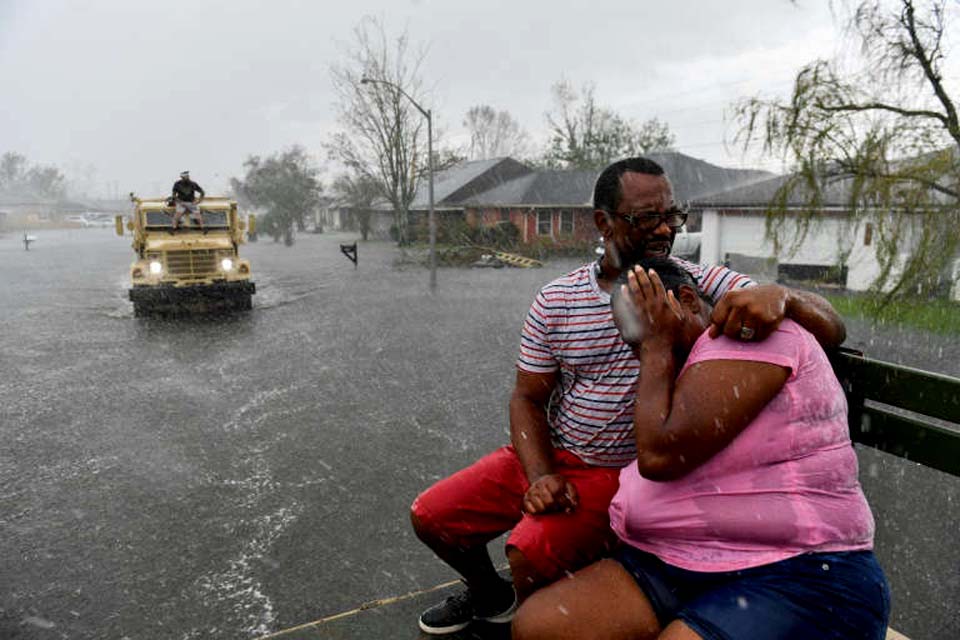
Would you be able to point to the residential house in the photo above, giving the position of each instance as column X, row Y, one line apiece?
column 831, row 250
column 555, row 205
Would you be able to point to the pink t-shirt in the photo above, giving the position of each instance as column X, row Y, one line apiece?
column 786, row 485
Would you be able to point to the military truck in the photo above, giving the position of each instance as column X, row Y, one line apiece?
column 188, row 269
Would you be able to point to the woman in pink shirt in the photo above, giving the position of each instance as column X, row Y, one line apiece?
column 743, row 517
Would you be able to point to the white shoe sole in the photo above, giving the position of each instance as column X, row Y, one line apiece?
column 440, row 631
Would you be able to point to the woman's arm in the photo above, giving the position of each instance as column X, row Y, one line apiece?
column 680, row 425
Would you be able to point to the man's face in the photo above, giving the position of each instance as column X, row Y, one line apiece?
column 184, row 176
column 626, row 244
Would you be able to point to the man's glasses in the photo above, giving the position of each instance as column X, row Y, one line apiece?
column 649, row 220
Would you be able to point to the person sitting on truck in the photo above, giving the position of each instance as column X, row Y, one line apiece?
column 184, row 191
column 742, row 515
column 553, row 485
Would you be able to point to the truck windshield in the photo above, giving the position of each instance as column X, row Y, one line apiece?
column 163, row 219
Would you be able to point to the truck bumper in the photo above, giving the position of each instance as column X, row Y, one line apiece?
column 169, row 294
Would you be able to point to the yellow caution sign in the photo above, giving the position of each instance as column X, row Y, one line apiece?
column 514, row 260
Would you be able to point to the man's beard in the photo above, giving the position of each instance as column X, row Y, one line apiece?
column 620, row 259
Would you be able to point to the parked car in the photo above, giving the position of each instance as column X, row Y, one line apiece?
column 78, row 220
column 99, row 219
column 687, row 244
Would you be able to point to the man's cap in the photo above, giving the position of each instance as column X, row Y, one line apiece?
column 184, row 174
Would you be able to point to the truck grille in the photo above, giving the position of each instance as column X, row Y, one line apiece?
column 192, row 264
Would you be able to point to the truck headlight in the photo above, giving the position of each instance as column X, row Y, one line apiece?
column 226, row 264
column 156, row 267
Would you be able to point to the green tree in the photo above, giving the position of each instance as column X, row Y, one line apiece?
column 587, row 135
column 883, row 124
column 358, row 192
column 285, row 184
column 384, row 136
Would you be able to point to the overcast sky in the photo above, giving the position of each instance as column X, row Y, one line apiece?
column 141, row 90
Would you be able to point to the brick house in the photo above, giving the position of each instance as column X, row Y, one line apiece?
column 551, row 206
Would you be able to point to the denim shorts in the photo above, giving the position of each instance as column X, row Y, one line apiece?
column 841, row 596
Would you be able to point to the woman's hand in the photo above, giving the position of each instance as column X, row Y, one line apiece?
column 657, row 311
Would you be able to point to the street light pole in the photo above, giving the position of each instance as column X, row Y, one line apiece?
column 431, row 219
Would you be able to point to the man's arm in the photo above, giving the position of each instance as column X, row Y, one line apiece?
column 530, row 435
column 197, row 187
column 763, row 307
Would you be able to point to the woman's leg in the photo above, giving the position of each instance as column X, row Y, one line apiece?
column 678, row 630
column 602, row 602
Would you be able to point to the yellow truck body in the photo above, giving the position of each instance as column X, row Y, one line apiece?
column 188, row 269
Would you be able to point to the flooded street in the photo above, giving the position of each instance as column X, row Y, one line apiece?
column 228, row 477
column 225, row 477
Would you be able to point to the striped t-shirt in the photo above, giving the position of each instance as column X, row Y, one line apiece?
column 570, row 327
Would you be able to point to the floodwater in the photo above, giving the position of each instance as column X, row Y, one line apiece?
column 226, row 477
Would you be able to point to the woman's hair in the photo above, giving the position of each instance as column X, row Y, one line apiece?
column 672, row 275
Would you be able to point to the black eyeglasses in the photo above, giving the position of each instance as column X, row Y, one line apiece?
column 649, row 220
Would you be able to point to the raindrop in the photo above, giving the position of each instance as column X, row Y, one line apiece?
column 825, row 566
column 39, row 622
column 563, row 610
column 736, row 392
column 742, row 602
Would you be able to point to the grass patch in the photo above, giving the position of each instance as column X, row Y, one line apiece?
column 936, row 316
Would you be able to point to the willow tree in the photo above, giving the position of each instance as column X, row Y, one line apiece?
column 384, row 136
column 882, row 123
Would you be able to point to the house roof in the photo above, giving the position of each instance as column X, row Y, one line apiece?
column 762, row 194
column 547, row 187
column 692, row 177
column 507, row 182
column 465, row 179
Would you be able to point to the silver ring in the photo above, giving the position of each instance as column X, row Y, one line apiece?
column 746, row 333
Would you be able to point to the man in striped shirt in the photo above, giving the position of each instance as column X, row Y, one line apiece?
column 571, row 409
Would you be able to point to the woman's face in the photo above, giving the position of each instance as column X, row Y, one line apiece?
column 696, row 315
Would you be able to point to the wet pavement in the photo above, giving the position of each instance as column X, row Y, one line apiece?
column 229, row 477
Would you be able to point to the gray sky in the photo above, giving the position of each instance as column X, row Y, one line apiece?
column 142, row 90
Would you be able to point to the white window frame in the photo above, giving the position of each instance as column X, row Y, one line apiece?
column 549, row 215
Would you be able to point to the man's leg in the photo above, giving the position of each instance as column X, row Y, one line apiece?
column 196, row 215
column 546, row 547
column 456, row 518
column 526, row 577
column 470, row 561
column 177, row 214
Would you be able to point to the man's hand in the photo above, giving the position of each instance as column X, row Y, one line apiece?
column 749, row 314
column 549, row 493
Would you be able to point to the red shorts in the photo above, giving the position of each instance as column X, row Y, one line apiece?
column 477, row 504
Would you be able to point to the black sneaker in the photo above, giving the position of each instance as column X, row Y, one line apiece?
column 459, row 610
